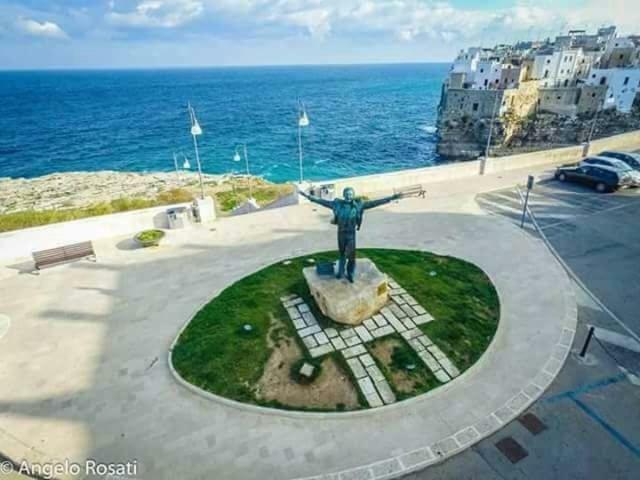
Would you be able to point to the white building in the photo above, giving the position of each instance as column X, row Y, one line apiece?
column 487, row 75
column 622, row 84
column 466, row 62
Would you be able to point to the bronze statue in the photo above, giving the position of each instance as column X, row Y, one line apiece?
column 347, row 215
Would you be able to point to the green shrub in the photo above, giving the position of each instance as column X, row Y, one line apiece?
column 149, row 238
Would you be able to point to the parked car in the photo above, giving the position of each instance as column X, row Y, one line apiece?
column 601, row 178
column 631, row 159
column 615, row 164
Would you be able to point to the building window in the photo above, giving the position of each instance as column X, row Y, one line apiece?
column 561, row 72
column 558, row 97
column 621, row 56
column 593, row 95
column 603, row 80
column 546, row 73
column 593, row 76
column 482, row 70
column 626, row 81
column 475, row 107
column 566, row 83
column 486, row 81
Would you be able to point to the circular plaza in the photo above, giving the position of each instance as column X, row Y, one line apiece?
column 95, row 367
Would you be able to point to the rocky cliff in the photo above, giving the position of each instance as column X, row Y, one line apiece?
column 466, row 138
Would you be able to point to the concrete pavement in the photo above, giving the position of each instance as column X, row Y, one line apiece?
column 85, row 357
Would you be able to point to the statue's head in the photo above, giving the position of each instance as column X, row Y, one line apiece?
column 348, row 194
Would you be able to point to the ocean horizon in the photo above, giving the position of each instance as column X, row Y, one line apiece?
column 364, row 119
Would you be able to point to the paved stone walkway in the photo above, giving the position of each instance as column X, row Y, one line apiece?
column 402, row 315
column 84, row 371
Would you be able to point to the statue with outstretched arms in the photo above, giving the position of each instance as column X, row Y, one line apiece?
column 347, row 215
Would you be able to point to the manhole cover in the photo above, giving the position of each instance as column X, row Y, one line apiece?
column 532, row 423
column 4, row 325
column 512, row 449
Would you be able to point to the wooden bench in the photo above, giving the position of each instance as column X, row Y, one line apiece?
column 411, row 190
column 68, row 253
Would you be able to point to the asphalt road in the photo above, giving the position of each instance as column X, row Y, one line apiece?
column 587, row 422
column 597, row 235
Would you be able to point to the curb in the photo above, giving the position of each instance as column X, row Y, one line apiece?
column 412, row 461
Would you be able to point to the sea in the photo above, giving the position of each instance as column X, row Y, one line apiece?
column 363, row 119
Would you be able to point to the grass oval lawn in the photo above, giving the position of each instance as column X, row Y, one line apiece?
column 217, row 354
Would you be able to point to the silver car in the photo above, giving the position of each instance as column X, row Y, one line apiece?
column 617, row 165
column 631, row 159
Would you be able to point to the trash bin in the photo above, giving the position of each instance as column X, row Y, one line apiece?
column 178, row 217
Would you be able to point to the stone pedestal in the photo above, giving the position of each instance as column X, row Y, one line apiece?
column 205, row 209
column 345, row 302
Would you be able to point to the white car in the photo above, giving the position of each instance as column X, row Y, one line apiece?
column 616, row 164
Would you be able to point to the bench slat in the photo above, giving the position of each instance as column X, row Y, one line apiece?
column 412, row 190
column 63, row 254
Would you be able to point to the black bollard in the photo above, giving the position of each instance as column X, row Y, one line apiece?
column 583, row 352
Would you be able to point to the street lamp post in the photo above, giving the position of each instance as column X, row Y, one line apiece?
column 303, row 121
column 486, row 150
column 175, row 164
column 236, row 158
column 195, row 131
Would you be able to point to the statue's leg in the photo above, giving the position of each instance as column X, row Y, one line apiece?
column 350, row 253
column 341, row 248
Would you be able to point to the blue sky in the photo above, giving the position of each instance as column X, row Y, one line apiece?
column 154, row 33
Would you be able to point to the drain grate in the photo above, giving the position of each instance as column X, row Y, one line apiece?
column 511, row 449
column 532, row 423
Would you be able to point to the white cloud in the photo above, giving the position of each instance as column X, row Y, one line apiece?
column 40, row 29
column 404, row 19
column 407, row 20
column 158, row 13
column 410, row 20
column 316, row 21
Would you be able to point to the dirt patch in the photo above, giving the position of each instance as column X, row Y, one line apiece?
column 403, row 381
column 331, row 390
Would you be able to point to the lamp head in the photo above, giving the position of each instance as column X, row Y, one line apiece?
column 195, row 128
column 303, row 120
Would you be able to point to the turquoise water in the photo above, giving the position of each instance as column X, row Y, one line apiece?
column 364, row 119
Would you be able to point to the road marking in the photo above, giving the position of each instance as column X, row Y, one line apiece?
column 607, row 427
column 617, row 339
column 573, row 396
column 586, row 388
column 572, row 274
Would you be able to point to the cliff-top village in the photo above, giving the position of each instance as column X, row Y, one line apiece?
column 577, row 74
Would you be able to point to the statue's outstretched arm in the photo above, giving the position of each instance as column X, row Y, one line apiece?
column 319, row 201
column 381, row 201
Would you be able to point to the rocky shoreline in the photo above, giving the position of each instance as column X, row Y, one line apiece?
column 80, row 189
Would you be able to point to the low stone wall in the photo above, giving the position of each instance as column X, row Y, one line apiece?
column 625, row 141
column 557, row 156
column 385, row 182
column 21, row 243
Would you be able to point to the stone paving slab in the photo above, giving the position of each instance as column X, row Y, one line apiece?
column 396, row 317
